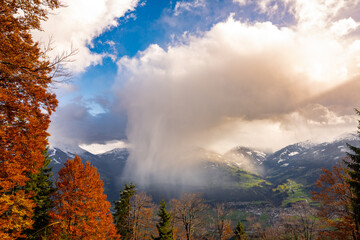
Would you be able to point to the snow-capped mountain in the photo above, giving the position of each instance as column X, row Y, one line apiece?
column 239, row 153
column 242, row 174
column 59, row 156
column 117, row 154
column 110, row 165
column 304, row 161
column 245, row 158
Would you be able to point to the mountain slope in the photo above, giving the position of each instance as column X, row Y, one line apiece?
column 303, row 162
column 242, row 174
column 110, row 165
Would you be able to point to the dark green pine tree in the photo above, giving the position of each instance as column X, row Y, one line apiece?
column 353, row 165
column 122, row 218
column 164, row 226
column 42, row 186
column 239, row 232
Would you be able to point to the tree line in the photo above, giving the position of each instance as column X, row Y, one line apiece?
column 75, row 207
column 188, row 217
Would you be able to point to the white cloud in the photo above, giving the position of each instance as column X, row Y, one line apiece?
column 314, row 122
column 241, row 2
column 102, row 148
column 317, row 14
column 236, row 74
column 312, row 15
column 77, row 24
column 344, row 26
column 183, row 6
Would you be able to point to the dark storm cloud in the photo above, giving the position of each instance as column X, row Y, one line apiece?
column 73, row 125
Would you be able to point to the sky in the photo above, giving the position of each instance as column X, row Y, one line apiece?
column 167, row 77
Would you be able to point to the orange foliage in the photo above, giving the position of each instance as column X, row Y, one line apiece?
column 25, row 107
column 17, row 211
column 228, row 232
column 335, row 210
column 25, row 99
column 81, row 210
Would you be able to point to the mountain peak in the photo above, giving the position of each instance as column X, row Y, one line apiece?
column 347, row 137
column 114, row 151
column 71, row 150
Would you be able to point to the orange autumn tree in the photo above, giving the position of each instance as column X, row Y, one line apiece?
column 81, row 210
column 335, row 210
column 25, row 107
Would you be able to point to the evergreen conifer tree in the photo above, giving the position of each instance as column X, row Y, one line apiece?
column 122, row 213
column 354, row 182
column 41, row 185
column 239, row 232
column 164, row 226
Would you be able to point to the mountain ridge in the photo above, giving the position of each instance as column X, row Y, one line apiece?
column 231, row 176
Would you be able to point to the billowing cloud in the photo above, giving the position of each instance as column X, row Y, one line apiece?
column 77, row 24
column 313, row 122
column 259, row 78
column 313, row 13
